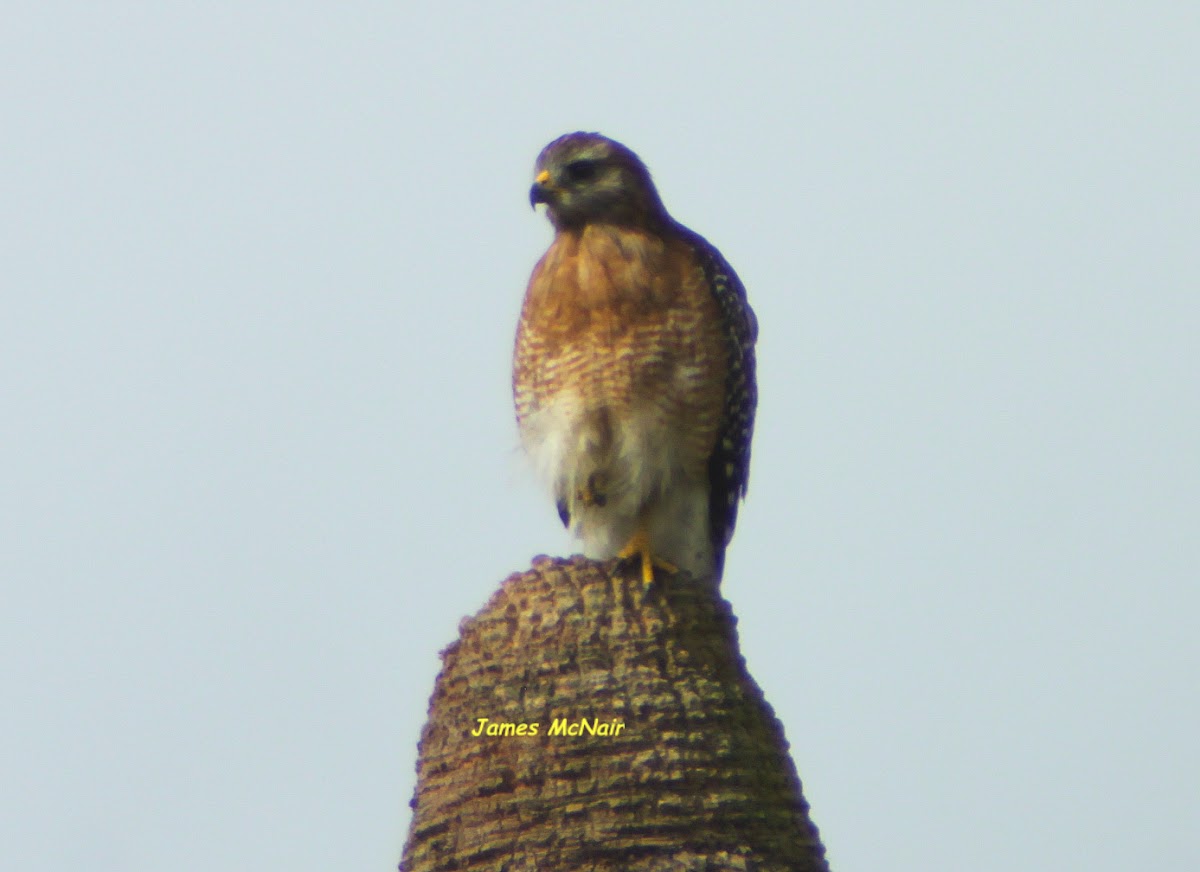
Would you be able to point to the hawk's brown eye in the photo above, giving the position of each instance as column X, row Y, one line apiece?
column 581, row 170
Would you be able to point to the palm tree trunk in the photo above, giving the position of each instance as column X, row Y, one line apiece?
column 586, row 722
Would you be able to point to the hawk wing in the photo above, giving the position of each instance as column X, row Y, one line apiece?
column 729, row 465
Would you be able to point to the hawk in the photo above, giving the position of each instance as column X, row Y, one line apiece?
column 633, row 372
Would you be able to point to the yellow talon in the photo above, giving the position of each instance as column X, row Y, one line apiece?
column 639, row 546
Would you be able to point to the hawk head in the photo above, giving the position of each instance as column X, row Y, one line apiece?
column 588, row 178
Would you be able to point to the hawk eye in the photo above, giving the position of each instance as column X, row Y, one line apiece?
column 581, row 170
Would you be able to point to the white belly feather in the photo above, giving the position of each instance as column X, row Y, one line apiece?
column 633, row 461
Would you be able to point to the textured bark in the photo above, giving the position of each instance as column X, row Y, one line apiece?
column 699, row 777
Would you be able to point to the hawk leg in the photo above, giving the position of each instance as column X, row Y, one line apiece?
column 639, row 546
column 589, row 495
column 592, row 492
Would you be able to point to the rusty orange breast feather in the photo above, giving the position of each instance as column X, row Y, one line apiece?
column 607, row 279
column 622, row 319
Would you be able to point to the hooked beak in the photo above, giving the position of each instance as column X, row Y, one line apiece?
column 542, row 190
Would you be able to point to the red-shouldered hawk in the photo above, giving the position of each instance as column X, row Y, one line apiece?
column 633, row 374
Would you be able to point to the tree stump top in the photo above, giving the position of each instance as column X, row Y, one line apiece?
column 586, row 722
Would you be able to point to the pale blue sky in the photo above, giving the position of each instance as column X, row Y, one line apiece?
column 261, row 270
